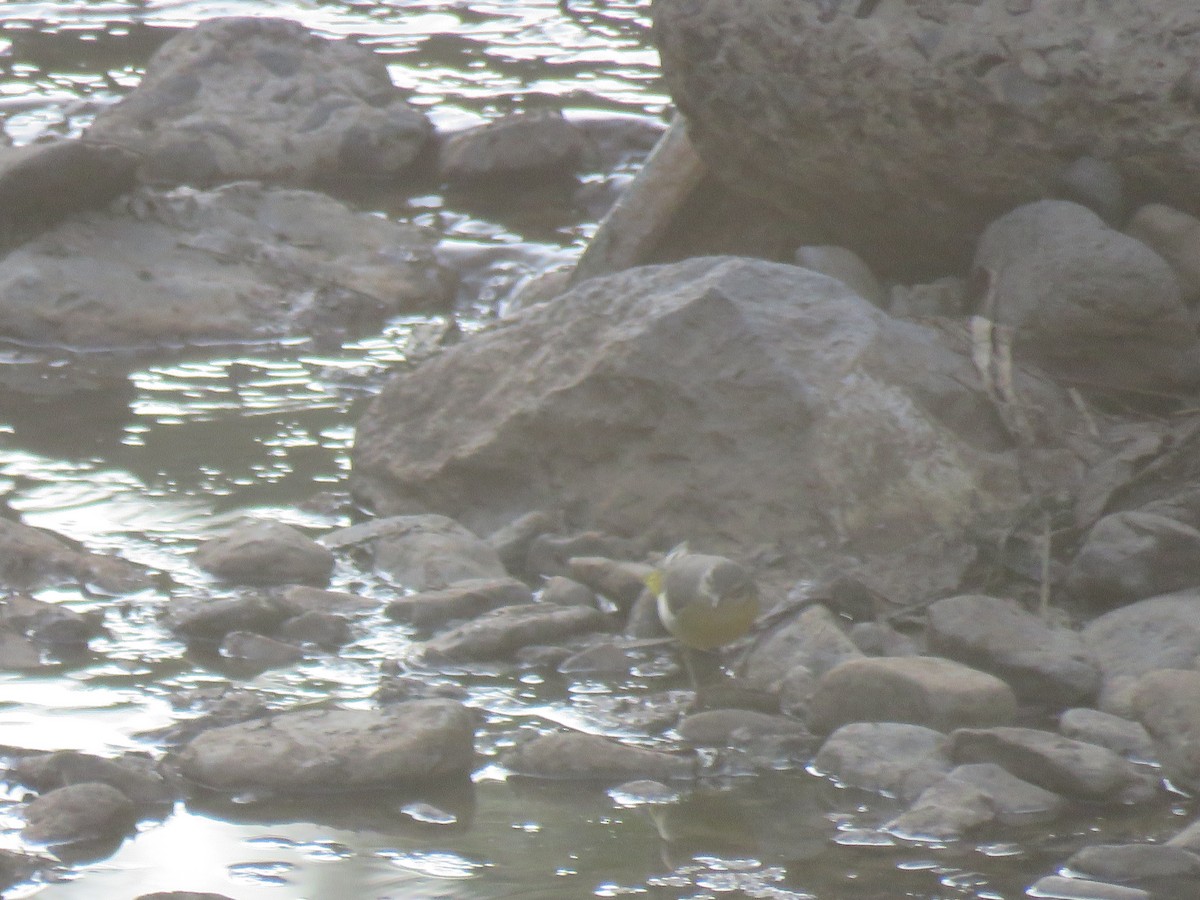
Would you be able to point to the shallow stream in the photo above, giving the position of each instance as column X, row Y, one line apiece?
column 176, row 451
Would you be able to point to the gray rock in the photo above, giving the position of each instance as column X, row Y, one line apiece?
column 512, row 541
column 566, row 592
column 421, row 552
column 326, row 630
column 905, row 130
column 19, row 653
column 650, row 403
column 1072, row 768
column 811, row 639
column 890, row 757
column 1175, row 236
column 1158, row 633
column 137, row 777
column 1086, row 302
column 1118, row 734
column 620, row 581
column 41, row 184
column 34, row 558
column 262, row 552
column 79, row 812
column 551, row 554
column 847, row 267
column 921, row 690
column 1131, row 555
column 50, row 624
column 298, row 599
column 248, row 97
column 740, row 727
column 499, row 634
column 589, row 756
column 881, row 639
column 1135, row 862
column 233, row 264
column 210, row 619
column 1083, row 889
column 306, row 751
column 974, row 795
column 513, row 149
column 1042, row 665
column 246, row 646
column 1167, row 703
column 461, row 600
column 1188, row 838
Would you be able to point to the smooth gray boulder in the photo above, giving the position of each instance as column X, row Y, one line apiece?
column 461, row 600
column 1126, row 643
column 891, row 757
column 1043, row 665
column 238, row 263
column 592, row 757
column 1167, row 703
column 265, row 552
column 905, row 128
column 264, row 98
column 88, row 811
column 32, row 558
column 732, row 402
column 812, row 639
column 1134, row 554
column 334, row 750
column 1095, row 307
column 920, row 690
column 513, row 150
column 1072, row 768
column 499, row 634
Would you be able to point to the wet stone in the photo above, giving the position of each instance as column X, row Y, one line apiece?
column 206, row 618
column 512, row 541
column 1118, row 734
column 973, row 795
column 18, row 653
column 1068, row 767
column 1135, row 862
column 812, row 639
column 1042, row 665
column 422, row 552
column 79, row 812
column 881, row 639
column 1083, row 889
column 244, row 97
column 938, row 693
column 259, row 552
column 501, row 632
column 137, row 777
column 461, row 600
column 766, row 740
column 887, row 757
column 306, row 751
column 587, row 756
column 32, row 558
column 327, row 630
column 551, row 554
column 1175, row 236
column 246, row 646
column 1167, row 703
column 297, row 599
column 620, row 581
column 605, row 658
column 566, row 592
column 512, row 148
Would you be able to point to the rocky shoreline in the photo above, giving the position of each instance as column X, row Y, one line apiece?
column 969, row 503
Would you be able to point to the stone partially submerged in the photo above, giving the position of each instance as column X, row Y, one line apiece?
column 731, row 401
column 253, row 97
column 239, row 263
column 335, row 750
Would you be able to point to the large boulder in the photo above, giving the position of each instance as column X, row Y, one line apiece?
column 729, row 401
column 237, row 263
column 907, row 127
column 251, row 97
